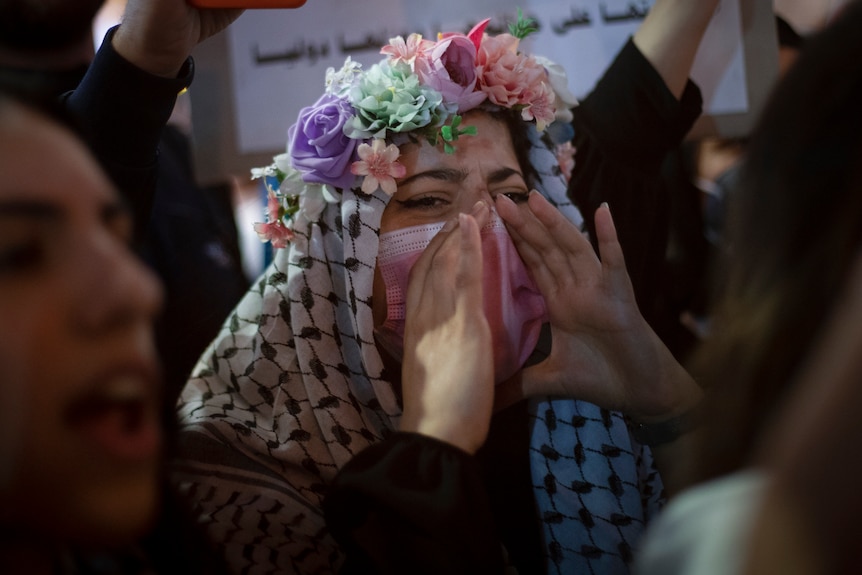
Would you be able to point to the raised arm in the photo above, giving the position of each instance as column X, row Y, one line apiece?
column 670, row 35
column 640, row 111
column 125, row 99
column 159, row 35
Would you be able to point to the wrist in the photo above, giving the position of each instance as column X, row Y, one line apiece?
column 668, row 393
column 450, row 432
column 679, row 416
column 131, row 46
column 666, row 431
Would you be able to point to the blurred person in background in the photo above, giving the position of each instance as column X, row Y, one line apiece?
column 185, row 232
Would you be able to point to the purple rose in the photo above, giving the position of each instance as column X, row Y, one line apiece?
column 450, row 68
column 317, row 145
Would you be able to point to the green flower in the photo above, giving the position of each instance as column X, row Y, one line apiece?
column 390, row 98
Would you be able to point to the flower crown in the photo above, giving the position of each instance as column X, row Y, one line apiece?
column 422, row 87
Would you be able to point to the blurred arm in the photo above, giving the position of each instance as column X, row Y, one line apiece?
column 670, row 35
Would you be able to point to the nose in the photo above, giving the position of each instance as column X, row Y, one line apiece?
column 115, row 289
column 470, row 194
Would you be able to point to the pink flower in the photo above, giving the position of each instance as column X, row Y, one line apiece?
column 565, row 153
column 379, row 166
column 508, row 78
column 541, row 107
column 400, row 51
column 274, row 230
column 450, row 68
column 475, row 35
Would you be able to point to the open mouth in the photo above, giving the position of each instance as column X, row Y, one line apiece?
column 119, row 416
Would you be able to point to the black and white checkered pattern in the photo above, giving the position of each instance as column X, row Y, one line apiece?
column 294, row 386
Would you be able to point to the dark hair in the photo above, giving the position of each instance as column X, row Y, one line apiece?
column 33, row 26
column 795, row 226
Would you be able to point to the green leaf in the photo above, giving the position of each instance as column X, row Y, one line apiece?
column 522, row 27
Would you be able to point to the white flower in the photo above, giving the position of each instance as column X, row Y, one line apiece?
column 282, row 162
column 313, row 200
column 560, row 84
column 339, row 83
column 312, row 197
column 265, row 172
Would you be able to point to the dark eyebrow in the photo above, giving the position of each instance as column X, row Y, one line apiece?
column 503, row 174
column 457, row 176
column 441, row 174
column 46, row 211
column 30, row 209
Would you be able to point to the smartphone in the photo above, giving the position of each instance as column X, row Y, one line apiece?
column 247, row 3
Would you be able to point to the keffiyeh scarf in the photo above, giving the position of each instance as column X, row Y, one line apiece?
column 293, row 387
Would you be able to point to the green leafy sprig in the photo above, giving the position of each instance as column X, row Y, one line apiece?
column 522, row 27
column 289, row 204
column 451, row 132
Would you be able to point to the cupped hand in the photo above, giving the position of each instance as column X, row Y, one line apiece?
column 158, row 35
column 603, row 351
column 448, row 367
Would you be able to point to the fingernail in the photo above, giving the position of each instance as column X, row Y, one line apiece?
column 478, row 207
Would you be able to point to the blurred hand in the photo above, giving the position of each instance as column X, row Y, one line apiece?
column 158, row 35
column 448, row 366
column 603, row 351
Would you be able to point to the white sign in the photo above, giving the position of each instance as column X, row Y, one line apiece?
column 278, row 58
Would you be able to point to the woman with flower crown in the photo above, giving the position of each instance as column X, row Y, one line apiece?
column 430, row 155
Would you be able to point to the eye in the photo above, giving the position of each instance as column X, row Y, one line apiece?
column 519, row 197
column 425, row 202
column 21, row 257
column 118, row 221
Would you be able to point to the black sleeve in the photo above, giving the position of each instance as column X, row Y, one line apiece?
column 121, row 111
column 624, row 129
column 412, row 504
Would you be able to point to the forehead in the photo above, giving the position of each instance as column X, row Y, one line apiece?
column 492, row 145
column 41, row 160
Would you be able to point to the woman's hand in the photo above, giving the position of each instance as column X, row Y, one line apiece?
column 448, row 366
column 603, row 351
column 158, row 35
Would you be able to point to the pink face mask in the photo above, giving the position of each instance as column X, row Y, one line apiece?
column 513, row 305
